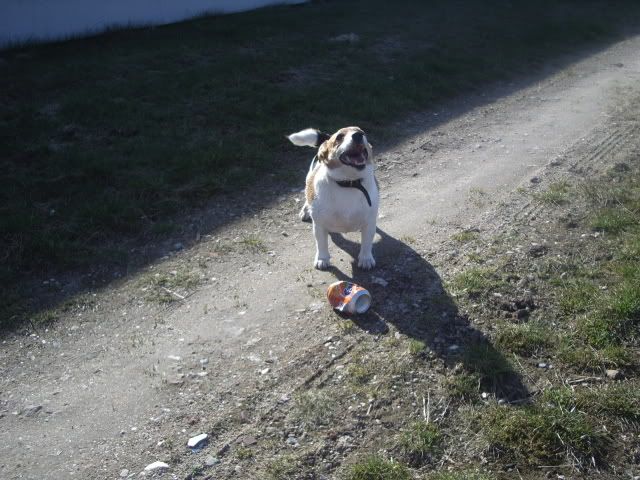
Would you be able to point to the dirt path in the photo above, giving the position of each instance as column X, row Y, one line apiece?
column 123, row 381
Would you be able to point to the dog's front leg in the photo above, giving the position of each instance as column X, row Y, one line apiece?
column 365, row 258
column 322, row 247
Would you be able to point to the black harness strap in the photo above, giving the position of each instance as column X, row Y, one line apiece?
column 355, row 184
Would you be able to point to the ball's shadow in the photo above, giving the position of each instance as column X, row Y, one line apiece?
column 409, row 294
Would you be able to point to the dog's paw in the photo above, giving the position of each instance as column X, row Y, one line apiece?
column 322, row 263
column 304, row 215
column 366, row 262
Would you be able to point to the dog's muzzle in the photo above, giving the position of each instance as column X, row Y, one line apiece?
column 355, row 157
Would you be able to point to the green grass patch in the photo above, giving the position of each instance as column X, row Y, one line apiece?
column 417, row 347
column 253, row 243
column 524, row 339
column 476, row 280
column 421, row 442
column 464, row 237
column 556, row 194
column 464, row 387
column 577, row 296
column 461, row 475
column 168, row 287
column 613, row 220
column 283, row 468
column 579, row 355
column 315, row 407
column 377, row 468
column 543, row 435
column 488, row 363
column 617, row 401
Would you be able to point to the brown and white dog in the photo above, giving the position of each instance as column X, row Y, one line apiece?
column 341, row 190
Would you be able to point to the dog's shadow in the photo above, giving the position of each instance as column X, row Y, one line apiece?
column 409, row 294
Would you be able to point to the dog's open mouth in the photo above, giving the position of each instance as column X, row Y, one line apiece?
column 355, row 157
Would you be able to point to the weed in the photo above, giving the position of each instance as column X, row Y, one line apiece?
column 316, row 408
column 476, row 280
column 464, row 237
column 44, row 318
column 613, row 220
column 577, row 296
column 416, row 347
column 360, row 373
column 584, row 357
column 196, row 471
column 162, row 287
column 283, row 468
column 464, row 386
column 408, row 239
column 477, row 197
column 556, row 194
column 620, row 400
column 524, row 339
column 462, row 475
column 487, row 362
column 377, row 468
column 346, row 326
column 244, row 453
column 421, row 442
column 543, row 434
column 253, row 243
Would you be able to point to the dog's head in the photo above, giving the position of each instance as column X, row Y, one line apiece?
column 348, row 147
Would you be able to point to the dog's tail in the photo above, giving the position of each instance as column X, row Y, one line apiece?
column 309, row 137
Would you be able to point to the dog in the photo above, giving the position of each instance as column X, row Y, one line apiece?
column 341, row 193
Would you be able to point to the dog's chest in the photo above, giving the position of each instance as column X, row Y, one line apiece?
column 343, row 209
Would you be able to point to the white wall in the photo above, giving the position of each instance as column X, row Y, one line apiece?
column 55, row 19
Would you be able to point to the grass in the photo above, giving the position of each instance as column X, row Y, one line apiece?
column 165, row 287
column 524, row 339
column 461, row 475
column 282, row 468
column 421, row 442
column 543, row 435
column 114, row 138
column 315, row 408
column 253, row 243
column 577, row 354
column 556, row 194
column 417, row 347
column 244, row 453
column 463, row 386
column 612, row 220
column 621, row 400
column 377, row 468
column 476, row 280
column 465, row 236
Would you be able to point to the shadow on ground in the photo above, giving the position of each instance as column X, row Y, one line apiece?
column 416, row 302
column 139, row 140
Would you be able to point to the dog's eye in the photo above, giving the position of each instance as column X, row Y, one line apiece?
column 340, row 137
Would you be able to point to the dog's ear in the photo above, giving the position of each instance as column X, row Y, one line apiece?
column 324, row 151
column 309, row 137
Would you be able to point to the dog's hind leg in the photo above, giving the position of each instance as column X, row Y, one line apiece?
column 365, row 257
column 322, row 260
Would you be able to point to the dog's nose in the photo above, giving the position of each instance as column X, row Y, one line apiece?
column 357, row 137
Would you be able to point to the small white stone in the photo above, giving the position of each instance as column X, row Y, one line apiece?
column 265, row 371
column 195, row 441
column 155, row 466
column 175, row 358
column 379, row 281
